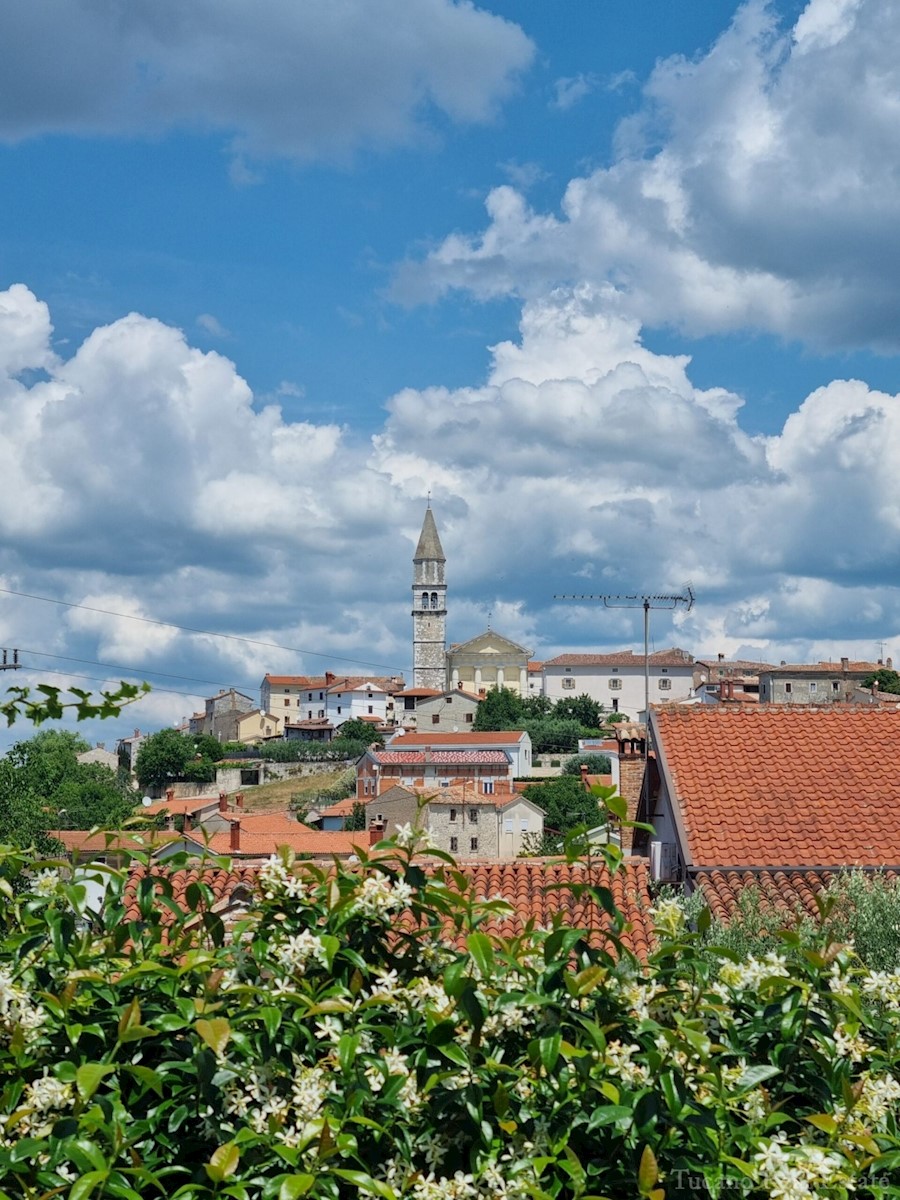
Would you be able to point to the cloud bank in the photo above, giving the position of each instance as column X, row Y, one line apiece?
column 755, row 188
column 311, row 80
column 139, row 476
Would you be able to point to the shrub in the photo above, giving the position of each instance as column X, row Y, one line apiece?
column 339, row 1045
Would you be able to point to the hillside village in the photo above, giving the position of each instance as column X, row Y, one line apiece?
column 741, row 768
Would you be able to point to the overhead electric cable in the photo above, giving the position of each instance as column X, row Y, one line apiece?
column 94, row 662
column 232, row 637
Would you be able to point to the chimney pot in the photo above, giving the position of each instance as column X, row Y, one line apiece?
column 239, row 800
column 223, row 802
column 235, row 836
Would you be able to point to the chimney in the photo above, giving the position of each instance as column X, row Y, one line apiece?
column 631, row 780
column 223, row 802
column 890, row 664
column 101, row 745
column 721, row 658
column 235, row 836
column 845, row 664
column 239, row 801
column 187, row 823
column 170, row 794
column 329, row 678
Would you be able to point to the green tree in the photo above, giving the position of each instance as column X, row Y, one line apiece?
column 43, row 786
column 163, row 757
column 360, row 731
column 501, row 708
column 565, row 802
column 357, row 818
column 597, row 764
column 579, row 708
column 887, row 680
column 535, row 707
column 549, row 735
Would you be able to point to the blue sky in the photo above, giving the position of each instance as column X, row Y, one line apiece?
column 616, row 282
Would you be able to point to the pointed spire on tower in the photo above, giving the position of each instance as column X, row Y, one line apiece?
column 429, row 546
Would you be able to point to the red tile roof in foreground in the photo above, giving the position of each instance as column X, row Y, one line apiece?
column 535, row 888
column 791, row 893
column 88, row 841
column 777, row 786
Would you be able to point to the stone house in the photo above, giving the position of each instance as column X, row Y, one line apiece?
column 814, row 683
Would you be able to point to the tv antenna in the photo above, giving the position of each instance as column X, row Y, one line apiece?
column 647, row 601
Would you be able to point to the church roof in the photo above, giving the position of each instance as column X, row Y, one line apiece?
column 429, row 543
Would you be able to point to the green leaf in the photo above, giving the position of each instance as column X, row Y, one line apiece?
column 131, row 1016
column 83, row 1186
column 88, row 1077
column 216, row 1033
column 823, row 1121
column 295, row 1185
column 224, row 1162
column 366, row 1183
column 648, row 1171
column 754, row 1076
column 479, row 946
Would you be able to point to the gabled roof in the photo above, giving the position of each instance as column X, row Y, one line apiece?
column 486, row 642
column 823, row 668
column 351, row 683
column 300, row 681
column 781, row 786
column 429, row 546
column 623, row 658
column 178, row 804
column 465, row 741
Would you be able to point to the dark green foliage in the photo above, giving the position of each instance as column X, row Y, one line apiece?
column 583, row 709
column 357, row 818
column 888, row 681
column 43, row 786
column 170, row 755
column 500, row 709
column 360, row 731
column 565, row 802
column 597, row 764
column 550, row 735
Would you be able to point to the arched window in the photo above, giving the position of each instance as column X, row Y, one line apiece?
column 424, row 599
column 434, row 603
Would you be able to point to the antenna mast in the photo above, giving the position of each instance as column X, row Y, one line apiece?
column 657, row 600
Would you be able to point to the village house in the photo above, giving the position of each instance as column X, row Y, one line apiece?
column 724, row 681
column 316, row 706
column 777, row 797
column 617, row 681
column 814, row 683
column 427, row 709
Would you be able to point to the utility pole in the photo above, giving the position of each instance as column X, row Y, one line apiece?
column 646, row 602
column 14, row 664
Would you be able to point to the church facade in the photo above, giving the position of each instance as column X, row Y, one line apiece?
column 484, row 662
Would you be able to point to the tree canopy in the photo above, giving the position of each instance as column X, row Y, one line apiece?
column 887, row 680
column 360, row 731
column 597, row 764
column 170, row 755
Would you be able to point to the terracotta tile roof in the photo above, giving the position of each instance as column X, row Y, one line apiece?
column 86, row 840
column 375, row 683
column 780, row 786
column 179, row 804
column 392, row 758
column 787, row 892
column 261, row 843
column 734, row 668
column 462, row 740
column 823, row 668
column 623, row 658
column 534, row 667
column 300, row 681
column 343, row 808
column 535, row 888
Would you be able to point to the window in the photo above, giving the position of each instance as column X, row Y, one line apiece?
column 434, row 603
column 664, row 670
column 321, row 696
column 370, row 708
column 473, row 816
column 321, row 712
column 568, row 683
column 615, row 685
column 835, row 686
column 452, row 814
column 424, row 599
column 665, row 685
column 435, row 718
column 507, row 824
column 788, row 687
column 454, row 845
column 369, row 697
column 523, row 824
column 470, row 717
column 309, row 714
column 287, row 702
column 487, row 787
column 287, row 690
column 615, row 705
column 339, row 710
column 813, row 687
column 473, row 844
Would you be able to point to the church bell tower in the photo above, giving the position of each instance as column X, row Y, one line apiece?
column 429, row 611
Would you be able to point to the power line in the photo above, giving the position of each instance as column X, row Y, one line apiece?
column 93, row 662
column 105, row 679
column 232, row 637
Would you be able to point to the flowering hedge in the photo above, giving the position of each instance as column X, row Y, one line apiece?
column 335, row 1044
